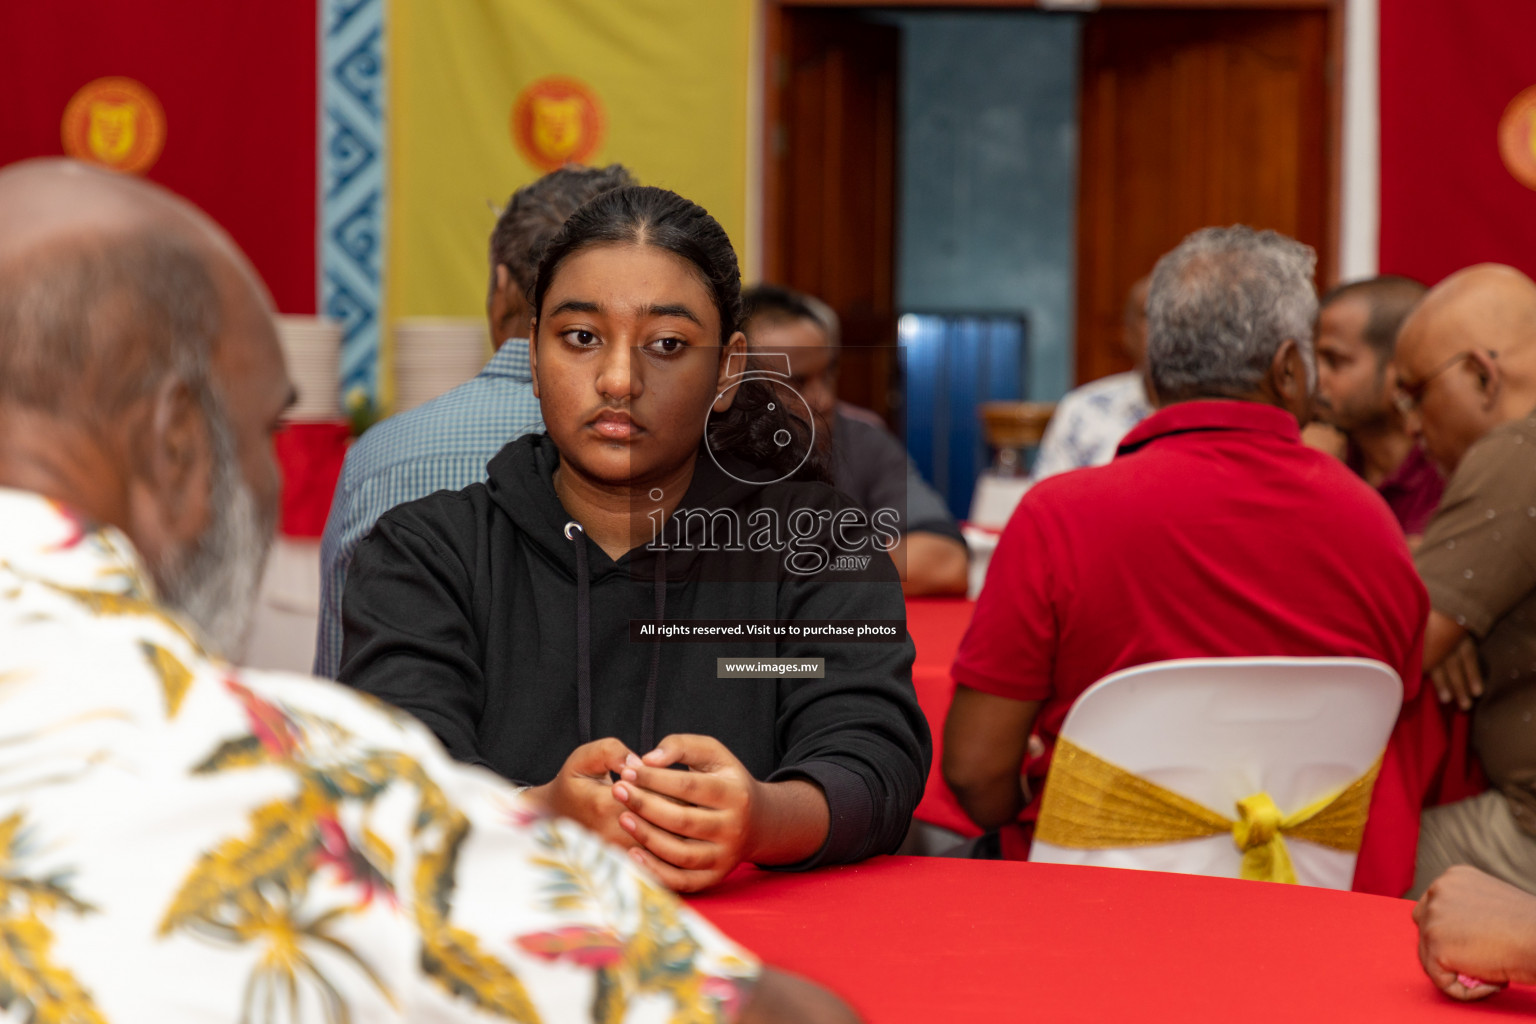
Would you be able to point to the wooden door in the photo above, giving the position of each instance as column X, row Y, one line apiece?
column 830, row 187
column 1191, row 119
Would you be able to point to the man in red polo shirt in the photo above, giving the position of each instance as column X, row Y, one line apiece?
column 1213, row 533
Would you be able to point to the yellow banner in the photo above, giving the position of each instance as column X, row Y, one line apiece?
column 486, row 95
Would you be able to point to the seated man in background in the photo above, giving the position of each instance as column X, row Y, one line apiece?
column 1466, row 371
column 1357, row 325
column 1090, row 421
column 868, row 463
column 445, row 444
column 1213, row 533
column 186, row 841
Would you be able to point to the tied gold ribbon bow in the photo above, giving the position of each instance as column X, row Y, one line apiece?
column 1091, row 804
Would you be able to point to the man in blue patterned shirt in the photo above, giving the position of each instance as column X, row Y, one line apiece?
column 446, row 443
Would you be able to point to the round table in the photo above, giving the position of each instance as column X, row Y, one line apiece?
column 925, row 939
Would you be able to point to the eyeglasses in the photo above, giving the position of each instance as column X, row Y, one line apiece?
column 1409, row 396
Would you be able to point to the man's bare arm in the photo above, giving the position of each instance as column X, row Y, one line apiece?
column 1441, row 635
column 985, row 739
column 931, row 564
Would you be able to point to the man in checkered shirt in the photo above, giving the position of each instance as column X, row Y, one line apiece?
column 446, row 443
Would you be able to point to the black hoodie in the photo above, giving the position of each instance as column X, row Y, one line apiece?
column 480, row 610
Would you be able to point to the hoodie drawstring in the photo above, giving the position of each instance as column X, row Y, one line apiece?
column 584, row 643
column 583, row 633
column 648, row 719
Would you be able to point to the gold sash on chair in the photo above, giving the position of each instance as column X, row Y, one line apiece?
column 1090, row 804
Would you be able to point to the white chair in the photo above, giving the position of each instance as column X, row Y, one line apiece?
column 1218, row 730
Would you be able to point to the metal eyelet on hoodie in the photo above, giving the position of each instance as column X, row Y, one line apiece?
column 573, row 525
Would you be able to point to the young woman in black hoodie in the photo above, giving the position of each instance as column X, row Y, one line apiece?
column 523, row 619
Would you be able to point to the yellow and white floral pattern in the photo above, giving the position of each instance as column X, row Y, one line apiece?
column 184, row 841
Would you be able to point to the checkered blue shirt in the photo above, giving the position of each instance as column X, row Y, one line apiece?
column 442, row 445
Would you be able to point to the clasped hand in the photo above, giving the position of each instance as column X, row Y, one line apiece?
column 689, row 828
column 1458, row 677
column 1476, row 933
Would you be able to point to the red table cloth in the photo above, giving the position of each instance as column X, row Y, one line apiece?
column 937, row 625
column 925, row 939
column 310, row 456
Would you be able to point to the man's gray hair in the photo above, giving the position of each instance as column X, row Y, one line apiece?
column 89, row 328
column 539, row 209
column 1221, row 305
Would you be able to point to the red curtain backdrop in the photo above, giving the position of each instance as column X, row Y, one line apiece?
column 237, row 83
column 1448, row 70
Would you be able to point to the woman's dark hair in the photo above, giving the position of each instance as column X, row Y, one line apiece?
column 643, row 215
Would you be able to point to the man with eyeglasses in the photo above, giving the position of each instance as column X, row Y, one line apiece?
column 1466, row 369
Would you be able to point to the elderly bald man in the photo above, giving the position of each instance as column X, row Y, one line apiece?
column 119, row 306
column 187, row 841
column 1466, row 366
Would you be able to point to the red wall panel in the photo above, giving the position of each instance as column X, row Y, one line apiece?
column 237, row 82
column 1448, row 70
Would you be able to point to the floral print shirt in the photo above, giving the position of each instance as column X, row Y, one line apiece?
column 181, row 840
column 1089, row 423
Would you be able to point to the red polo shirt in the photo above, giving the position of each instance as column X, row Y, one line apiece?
column 1213, row 533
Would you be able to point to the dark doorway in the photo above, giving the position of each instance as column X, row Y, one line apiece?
column 1188, row 117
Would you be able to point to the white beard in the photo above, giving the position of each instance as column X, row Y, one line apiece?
column 214, row 583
